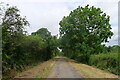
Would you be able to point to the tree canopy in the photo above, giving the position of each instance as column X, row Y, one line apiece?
column 82, row 33
column 20, row 50
column 85, row 29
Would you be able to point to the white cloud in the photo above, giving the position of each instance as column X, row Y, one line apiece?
column 61, row 1
column 44, row 15
column 114, row 39
column 41, row 1
column 48, row 13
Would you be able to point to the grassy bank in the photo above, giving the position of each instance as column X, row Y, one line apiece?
column 91, row 72
column 39, row 71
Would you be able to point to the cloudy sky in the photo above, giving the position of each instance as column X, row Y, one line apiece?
column 48, row 13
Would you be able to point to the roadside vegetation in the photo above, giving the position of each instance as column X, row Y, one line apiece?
column 21, row 50
column 108, row 61
column 81, row 36
column 39, row 71
column 91, row 72
column 82, row 33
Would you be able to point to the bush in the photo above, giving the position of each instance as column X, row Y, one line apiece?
column 108, row 61
column 83, row 58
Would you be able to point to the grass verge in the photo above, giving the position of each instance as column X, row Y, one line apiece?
column 91, row 72
column 39, row 71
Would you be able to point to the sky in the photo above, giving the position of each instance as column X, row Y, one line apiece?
column 48, row 13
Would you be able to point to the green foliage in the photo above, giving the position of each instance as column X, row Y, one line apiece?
column 12, row 32
column 88, row 27
column 51, row 41
column 84, row 30
column 81, row 35
column 114, row 48
column 31, row 48
column 107, row 61
column 21, row 50
column 44, row 33
column 83, row 58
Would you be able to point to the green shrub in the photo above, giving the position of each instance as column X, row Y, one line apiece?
column 108, row 61
column 83, row 58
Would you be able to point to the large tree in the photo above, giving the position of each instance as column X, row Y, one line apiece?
column 49, row 39
column 44, row 33
column 12, row 32
column 85, row 29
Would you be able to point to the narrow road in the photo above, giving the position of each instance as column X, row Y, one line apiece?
column 63, row 69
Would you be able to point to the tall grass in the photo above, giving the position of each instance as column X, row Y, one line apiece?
column 108, row 61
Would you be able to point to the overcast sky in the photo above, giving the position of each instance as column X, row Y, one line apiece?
column 48, row 13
